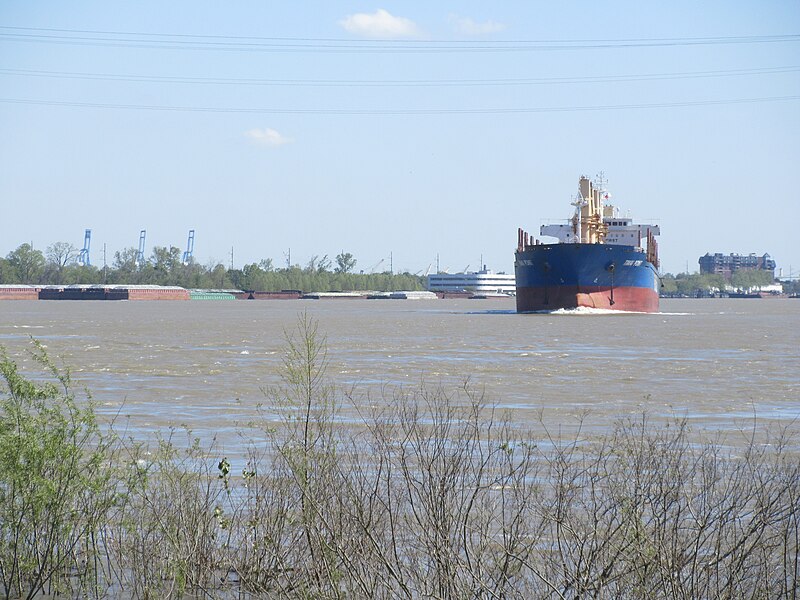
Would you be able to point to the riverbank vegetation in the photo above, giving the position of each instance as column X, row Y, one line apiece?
column 58, row 266
column 705, row 284
column 433, row 493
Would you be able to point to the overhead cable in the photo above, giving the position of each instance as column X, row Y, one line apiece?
column 396, row 112
column 174, row 79
column 179, row 41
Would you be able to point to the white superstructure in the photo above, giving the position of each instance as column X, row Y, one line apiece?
column 620, row 230
column 484, row 281
column 596, row 222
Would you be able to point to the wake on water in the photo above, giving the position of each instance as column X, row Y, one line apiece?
column 577, row 312
column 585, row 310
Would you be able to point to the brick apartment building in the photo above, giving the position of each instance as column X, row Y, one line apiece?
column 727, row 264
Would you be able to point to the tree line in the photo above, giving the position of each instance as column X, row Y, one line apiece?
column 59, row 265
column 700, row 284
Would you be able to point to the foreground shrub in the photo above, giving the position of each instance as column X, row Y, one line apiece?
column 56, row 489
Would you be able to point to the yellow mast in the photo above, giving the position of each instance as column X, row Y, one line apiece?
column 592, row 228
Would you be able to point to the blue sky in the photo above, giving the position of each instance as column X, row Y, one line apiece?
column 410, row 129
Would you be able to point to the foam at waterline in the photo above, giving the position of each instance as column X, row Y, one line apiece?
column 587, row 310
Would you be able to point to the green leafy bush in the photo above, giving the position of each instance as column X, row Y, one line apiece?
column 55, row 485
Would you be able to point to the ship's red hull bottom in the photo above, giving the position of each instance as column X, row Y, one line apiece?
column 633, row 299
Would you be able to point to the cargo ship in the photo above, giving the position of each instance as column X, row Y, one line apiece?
column 601, row 260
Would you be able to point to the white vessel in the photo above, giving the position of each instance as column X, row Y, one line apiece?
column 480, row 282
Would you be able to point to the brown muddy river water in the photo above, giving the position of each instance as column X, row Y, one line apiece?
column 207, row 365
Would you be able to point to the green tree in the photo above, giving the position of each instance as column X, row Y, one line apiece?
column 252, row 277
column 125, row 259
column 166, row 264
column 219, row 277
column 7, row 272
column 77, row 273
column 699, row 284
column 55, row 485
column 59, row 255
column 345, row 262
column 318, row 265
column 791, row 286
column 745, row 279
column 668, row 284
column 28, row 264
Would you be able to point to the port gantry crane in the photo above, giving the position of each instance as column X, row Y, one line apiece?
column 140, row 253
column 187, row 256
column 83, row 255
column 375, row 266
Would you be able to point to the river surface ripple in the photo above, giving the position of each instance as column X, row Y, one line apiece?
column 208, row 366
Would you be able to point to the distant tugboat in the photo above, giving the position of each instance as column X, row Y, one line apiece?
column 598, row 262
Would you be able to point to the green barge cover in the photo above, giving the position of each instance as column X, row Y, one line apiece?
column 211, row 296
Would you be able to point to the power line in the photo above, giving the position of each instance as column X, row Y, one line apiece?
column 709, row 39
column 396, row 112
column 299, row 44
column 397, row 82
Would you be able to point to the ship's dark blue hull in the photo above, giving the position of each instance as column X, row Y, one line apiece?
column 554, row 276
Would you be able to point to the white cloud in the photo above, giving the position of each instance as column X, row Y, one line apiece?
column 467, row 26
column 267, row 137
column 381, row 24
